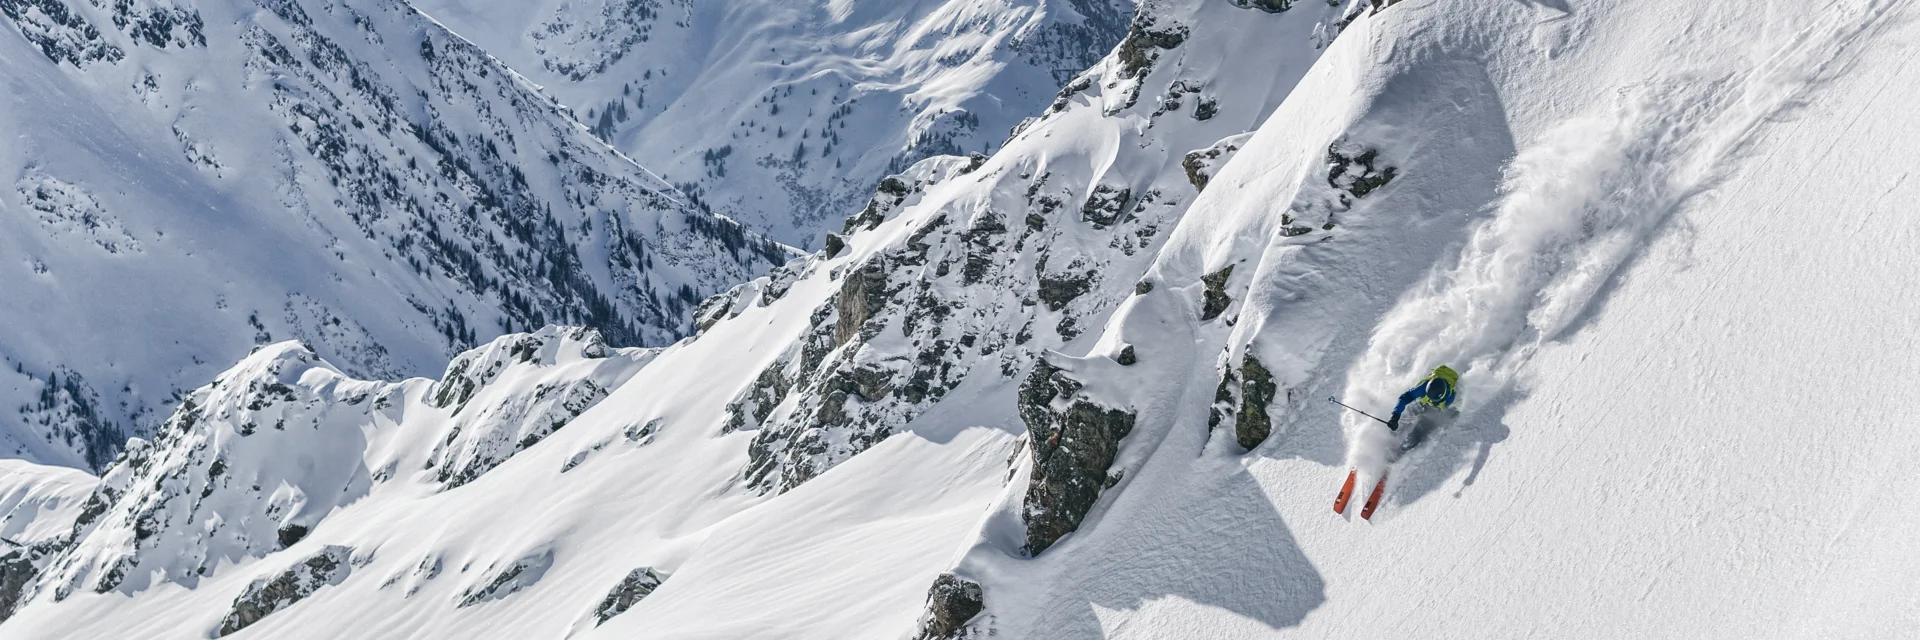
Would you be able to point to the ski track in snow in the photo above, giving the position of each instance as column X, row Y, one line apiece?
column 1576, row 207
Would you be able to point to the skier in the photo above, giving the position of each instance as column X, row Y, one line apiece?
column 1435, row 391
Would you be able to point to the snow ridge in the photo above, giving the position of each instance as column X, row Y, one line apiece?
column 787, row 114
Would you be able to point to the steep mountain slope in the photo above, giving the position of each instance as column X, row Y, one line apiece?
column 786, row 114
column 759, row 457
column 1677, row 388
column 186, row 179
column 1056, row 393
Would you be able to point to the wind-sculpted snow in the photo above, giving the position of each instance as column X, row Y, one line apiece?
column 1574, row 207
column 187, row 179
column 1061, row 391
column 786, row 114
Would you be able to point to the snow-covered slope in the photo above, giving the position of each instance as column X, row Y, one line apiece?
column 185, row 179
column 786, row 114
column 1065, row 392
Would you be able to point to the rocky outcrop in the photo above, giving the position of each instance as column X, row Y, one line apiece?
column 1202, row 164
column 952, row 602
column 330, row 566
column 254, row 462
column 638, row 584
column 557, row 373
column 1214, row 299
column 217, row 484
column 508, row 580
column 1073, row 442
column 20, row 567
column 862, row 293
column 1357, row 174
column 1252, row 425
column 1139, row 50
column 1269, row 6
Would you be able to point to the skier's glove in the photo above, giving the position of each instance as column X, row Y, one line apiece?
column 1393, row 424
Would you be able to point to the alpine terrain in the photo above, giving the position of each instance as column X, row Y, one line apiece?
column 1083, row 382
column 786, row 114
column 184, row 179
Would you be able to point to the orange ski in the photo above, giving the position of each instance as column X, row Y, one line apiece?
column 1346, row 493
column 1373, row 501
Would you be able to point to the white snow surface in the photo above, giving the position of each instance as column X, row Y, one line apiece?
column 183, row 180
column 1661, row 242
column 785, row 114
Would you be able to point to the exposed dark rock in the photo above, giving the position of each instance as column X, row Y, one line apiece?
column 1072, row 450
column 291, row 534
column 266, row 596
column 20, row 566
column 1142, row 287
column 1357, row 173
column 1106, row 205
column 1252, row 426
column 1059, row 289
column 1067, row 93
column 1136, row 53
column 1126, row 356
column 519, row 575
column 888, row 195
column 638, row 584
column 1269, row 6
column 862, row 293
column 758, row 401
column 1206, row 109
column 1223, row 405
column 974, row 162
column 1200, row 163
column 1215, row 297
column 951, row 603
column 490, row 432
column 834, row 245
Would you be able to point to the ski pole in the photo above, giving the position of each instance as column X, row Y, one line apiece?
column 1343, row 404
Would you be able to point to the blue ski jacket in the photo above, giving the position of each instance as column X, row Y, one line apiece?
column 1434, row 391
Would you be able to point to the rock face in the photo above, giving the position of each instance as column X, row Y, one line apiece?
column 952, row 602
column 330, row 566
column 1201, row 164
column 20, row 566
column 218, row 461
column 1073, row 442
column 1214, row 298
column 384, row 192
column 638, row 584
column 509, row 579
column 1252, row 425
column 557, row 373
column 990, row 262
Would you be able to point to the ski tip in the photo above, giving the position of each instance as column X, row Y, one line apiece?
column 1373, row 501
column 1346, row 493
